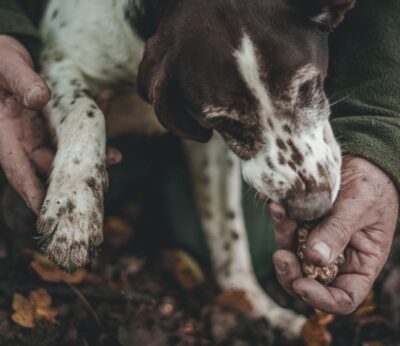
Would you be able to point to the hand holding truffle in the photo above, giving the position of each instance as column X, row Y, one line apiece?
column 361, row 226
column 324, row 275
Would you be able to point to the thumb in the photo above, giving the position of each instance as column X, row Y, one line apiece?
column 331, row 237
column 18, row 77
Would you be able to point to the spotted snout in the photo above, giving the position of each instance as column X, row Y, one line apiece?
column 308, row 206
column 303, row 174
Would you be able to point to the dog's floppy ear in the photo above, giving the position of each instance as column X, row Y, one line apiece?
column 157, row 85
column 328, row 13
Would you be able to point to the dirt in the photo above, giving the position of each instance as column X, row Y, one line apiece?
column 133, row 297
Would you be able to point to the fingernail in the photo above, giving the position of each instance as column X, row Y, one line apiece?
column 323, row 250
column 33, row 94
column 281, row 267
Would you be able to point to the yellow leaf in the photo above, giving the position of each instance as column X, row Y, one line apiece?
column 315, row 332
column 42, row 302
column 366, row 308
column 235, row 299
column 184, row 268
column 40, row 298
column 24, row 311
column 28, row 311
column 48, row 271
column 117, row 232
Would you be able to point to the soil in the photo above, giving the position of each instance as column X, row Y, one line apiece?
column 136, row 296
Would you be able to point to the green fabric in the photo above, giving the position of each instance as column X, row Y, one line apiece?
column 365, row 71
column 14, row 22
column 186, row 228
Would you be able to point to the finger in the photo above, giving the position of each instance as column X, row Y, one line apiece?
column 18, row 168
column 287, row 269
column 43, row 158
column 114, row 156
column 346, row 293
column 20, row 79
column 284, row 228
column 103, row 100
column 350, row 214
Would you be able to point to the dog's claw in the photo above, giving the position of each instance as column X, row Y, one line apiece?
column 92, row 251
column 44, row 240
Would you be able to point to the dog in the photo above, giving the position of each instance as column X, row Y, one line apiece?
column 240, row 81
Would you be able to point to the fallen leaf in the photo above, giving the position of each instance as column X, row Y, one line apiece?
column 235, row 299
column 48, row 271
column 28, row 311
column 364, row 311
column 322, row 318
column 315, row 332
column 24, row 311
column 42, row 302
column 184, row 268
column 316, row 335
column 117, row 232
column 366, row 308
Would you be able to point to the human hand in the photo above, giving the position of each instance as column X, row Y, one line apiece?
column 25, row 151
column 361, row 225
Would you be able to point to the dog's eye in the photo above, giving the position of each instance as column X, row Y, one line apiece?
column 306, row 90
column 228, row 126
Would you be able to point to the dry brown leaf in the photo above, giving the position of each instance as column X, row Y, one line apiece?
column 49, row 271
column 366, row 308
column 315, row 332
column 24, row 311
column 117, row 232
column 364, row 311
column 184, row 267
column 235, row 299
column 322, row 318
column 316, row 335
column 42, row 302
column 38, row 306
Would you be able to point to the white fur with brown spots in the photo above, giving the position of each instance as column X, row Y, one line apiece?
column 90, row 45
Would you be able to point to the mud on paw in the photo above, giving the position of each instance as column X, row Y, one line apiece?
column 70, row 224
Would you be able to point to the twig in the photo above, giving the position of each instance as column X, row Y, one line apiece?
column 87, row 304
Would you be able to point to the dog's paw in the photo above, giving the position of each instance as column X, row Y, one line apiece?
column 287, row 321
column 260, row 305
column 71, row 220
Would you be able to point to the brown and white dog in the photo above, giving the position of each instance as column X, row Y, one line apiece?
column 244, row 76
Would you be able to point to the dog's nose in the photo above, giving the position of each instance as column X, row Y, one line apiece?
column 308, row 206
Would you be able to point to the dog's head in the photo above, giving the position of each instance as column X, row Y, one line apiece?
column 252, row 71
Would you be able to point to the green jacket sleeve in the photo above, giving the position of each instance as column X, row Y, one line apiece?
column 14, row 22
column 365, row 66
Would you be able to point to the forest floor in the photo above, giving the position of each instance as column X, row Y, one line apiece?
column 160, row 297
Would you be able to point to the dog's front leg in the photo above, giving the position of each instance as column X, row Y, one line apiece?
column 71, row 219
column 217, row 180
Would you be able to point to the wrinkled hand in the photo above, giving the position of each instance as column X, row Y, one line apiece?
column 361, row 225
column 22, row 137
column 25, row 151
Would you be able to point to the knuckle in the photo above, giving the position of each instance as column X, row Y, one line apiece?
column 281, row 239
column 366, row 187
column 347, row 304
